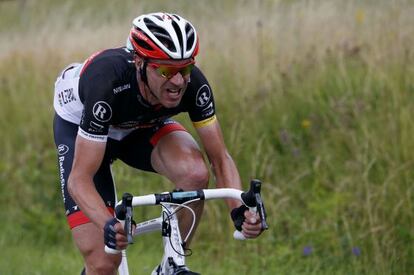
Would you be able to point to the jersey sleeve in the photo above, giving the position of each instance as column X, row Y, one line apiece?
column 95, row 91
column 200, row 100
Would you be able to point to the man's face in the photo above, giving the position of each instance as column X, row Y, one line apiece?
column 168, row 80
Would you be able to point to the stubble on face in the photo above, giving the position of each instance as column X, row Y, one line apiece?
column 169, row 92
column 160, row 90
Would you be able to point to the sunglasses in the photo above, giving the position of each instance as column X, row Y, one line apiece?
column 168, row 71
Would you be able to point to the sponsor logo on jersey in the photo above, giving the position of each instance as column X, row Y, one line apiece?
column 62, row 176
column 62, row 149
column 66, row 96
column 95, row 127
column 208, row 111
column 102, row 111
column 121, row 88
column 203, row 96
column 99, row 138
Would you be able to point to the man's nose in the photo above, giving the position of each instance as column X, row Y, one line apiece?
column 177, row 79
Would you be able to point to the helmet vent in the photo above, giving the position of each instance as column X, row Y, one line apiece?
column 190, row 35
column 179, row 35
column 161, row 34
column 142, row 44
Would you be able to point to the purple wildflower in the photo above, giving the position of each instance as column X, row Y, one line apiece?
column 356, row 251
column 307, row 250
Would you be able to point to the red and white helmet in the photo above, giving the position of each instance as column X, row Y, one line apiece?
column 163, row 36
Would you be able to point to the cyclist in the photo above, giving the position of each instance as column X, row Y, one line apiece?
column 117, row 105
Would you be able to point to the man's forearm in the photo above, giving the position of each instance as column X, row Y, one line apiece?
column 227, row 176
column 88, row 200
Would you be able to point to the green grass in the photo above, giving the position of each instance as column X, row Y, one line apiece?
column 314, row 98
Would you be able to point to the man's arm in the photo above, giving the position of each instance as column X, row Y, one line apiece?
column 87, row 159
column 224, row 168
column 227, row 175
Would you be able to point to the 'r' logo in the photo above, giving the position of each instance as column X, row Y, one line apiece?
column 102, row 111
column 203, row 95
column 62, row 149
column 203, row 98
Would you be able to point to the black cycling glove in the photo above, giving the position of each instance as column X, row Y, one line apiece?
column 110, row 233
column 237, row 215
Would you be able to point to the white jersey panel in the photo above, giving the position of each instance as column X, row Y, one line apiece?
column 68, row 106
column 66, row 101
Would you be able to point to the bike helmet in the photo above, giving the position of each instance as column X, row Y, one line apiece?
column 163, row 36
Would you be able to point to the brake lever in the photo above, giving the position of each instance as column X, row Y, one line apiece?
column 127, row 201
column 128, row 225
column 262, row 212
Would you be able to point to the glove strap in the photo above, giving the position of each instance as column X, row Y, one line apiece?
column 110, row 233
column 237, row 215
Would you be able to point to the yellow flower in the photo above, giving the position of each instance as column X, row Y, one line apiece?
column 360, row 16
column 306, row 123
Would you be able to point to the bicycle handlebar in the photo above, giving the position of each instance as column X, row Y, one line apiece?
column 251, row 199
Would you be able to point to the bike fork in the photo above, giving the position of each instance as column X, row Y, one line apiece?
column 174, row 256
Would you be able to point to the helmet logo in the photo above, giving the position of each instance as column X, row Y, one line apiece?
column 166, row 17
column 141, row 36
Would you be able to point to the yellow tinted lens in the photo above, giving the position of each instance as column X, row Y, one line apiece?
column 167, row 72
column 187, row 70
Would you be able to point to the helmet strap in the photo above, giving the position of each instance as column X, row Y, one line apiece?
column 143, row 72
column 144, row 78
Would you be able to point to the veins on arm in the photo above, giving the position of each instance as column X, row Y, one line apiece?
column 224, row 168
column 87, row 160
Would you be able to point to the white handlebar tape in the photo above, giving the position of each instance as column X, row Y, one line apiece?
column 238, row 235
column 111, row 250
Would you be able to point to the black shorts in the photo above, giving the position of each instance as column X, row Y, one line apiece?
column 135, row 150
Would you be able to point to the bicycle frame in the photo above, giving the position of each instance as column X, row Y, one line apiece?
column 174, row 255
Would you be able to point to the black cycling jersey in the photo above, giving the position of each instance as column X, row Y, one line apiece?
column 109, row 93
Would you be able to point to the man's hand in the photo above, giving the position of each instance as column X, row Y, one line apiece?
column 114, row 235
column 251, row 227
column 247, row 222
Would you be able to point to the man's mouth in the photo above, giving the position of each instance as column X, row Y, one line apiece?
column 174, row 91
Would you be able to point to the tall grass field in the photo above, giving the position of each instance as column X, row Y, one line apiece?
column 315, row 98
